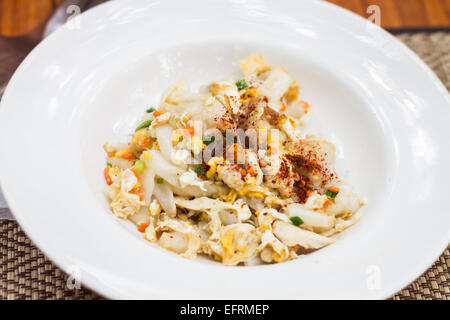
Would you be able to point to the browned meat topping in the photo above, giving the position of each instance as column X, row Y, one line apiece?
column 226, row 121
column 311, row 161
column 301, row 190
column 306, row 163
column 271, row 115
column 247, row 116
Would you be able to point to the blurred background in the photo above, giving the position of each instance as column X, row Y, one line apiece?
column 24, row 23
column 18, row 17
column 398, row 15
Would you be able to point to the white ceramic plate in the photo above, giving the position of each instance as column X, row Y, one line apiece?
column 385, row 110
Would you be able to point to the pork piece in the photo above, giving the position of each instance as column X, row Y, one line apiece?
column 314, row 160
column 284, row 178
column 250, row 113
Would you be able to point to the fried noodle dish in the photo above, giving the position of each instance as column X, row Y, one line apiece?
column 229, row 173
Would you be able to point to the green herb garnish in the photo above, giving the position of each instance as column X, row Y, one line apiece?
column 199, row 170
column 159, row 181
column 144, row 124
column 139, row 166
column 150, row 110
column 209, row 139
column 109, row 164
column 241, row 84
column 331, row 194
column 296, row 220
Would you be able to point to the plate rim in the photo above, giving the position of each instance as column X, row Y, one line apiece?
column 63, row 264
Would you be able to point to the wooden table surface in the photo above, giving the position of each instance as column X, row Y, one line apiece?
column 18, row 17
column 404, row 14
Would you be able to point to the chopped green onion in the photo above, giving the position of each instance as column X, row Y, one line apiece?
column 209, row 139
column 296, row 220
column 331, row 194
column 139, row 166
column 241, row 84
column 150, row 110
column 159, row 181
column 199, row 170
column 109, row 164
column 144, row 124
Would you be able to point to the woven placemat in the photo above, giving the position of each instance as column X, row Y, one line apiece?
column 25, row 273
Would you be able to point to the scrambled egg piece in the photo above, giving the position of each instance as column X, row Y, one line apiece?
column 292, row 92
column 230, row 175
column 139, row 137
column 125, row 204
column 254, row 63
column 212, row 163
column 238, row 242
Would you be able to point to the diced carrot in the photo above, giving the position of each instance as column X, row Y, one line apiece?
column 143, row 226
column 189, row 130
column 283, row 107
column 308, row 192
column 262, row 163
column 127, row 156
column 305, row 105
column 135, row 174
column 156, row 113
column 334, row 189
column 111, row 154
column 326, row 203
column 145, row 142
column 138, row 192
column 244, row 172
column 107, row 177
column 300, row 141
column 251, row 171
